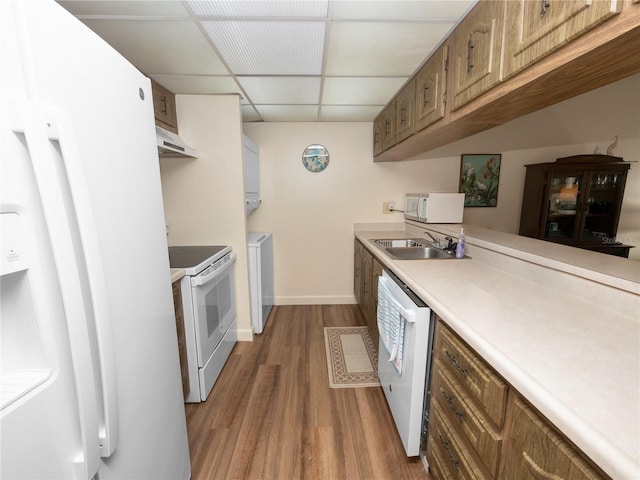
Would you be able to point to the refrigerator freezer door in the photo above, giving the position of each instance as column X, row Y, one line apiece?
column 106, row 116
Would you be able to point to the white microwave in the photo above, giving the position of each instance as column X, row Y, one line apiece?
column 434, row 207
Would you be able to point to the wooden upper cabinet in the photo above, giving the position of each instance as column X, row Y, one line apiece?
column 377, row 135
column 389, row 126
column 535, row 450
column 430, row 84
column 164, row 107
column 405, row 111
column 537, row 28
column 476, row 51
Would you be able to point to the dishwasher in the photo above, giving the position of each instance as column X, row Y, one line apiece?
column 406, row 329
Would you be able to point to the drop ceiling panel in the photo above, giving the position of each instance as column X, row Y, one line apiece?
column 360, row 90
column 380, row 48
column 434, row 11
column 266, row 8
column 349, row 113
column 145, row 8
column 167, row 47
column 198, row 84
column 291, row 59
column 269, row 48
column 281, row 90
column 288, row 113
column 249, row 114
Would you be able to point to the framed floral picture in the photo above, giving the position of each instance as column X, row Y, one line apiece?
column 479, row 176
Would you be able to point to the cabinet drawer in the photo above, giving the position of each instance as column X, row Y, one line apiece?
column 535, row 450
column 480, row 380
column 469, row 421
column 456, row 457
column 438, row 466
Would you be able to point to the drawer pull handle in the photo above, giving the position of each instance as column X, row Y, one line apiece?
column 455, row 363
column 537, row 472
column 447, row 448
column 449, row 401
column 544, row 5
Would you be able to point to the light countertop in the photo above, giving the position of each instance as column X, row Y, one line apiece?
column 562, row 327
column 176, row 274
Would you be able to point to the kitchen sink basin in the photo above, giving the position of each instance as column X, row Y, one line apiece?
column 412, row 249
column 401, row 243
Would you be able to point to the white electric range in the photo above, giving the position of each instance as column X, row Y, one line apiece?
column 209, row 307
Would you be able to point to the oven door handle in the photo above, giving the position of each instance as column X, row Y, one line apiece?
column 204, row 278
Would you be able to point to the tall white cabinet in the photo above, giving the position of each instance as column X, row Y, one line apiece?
column 251, row 175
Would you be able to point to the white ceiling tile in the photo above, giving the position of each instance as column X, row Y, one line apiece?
column 176, row 47
column 349, row 113
column 269, row 48
column 280, row 53
column 360, row 90
column 430, row 10
column 249, row 114
column 199, row 84
column 138, row 8
column 282, row 90
column 263, row 8
column 288, row 113
column 379, row 48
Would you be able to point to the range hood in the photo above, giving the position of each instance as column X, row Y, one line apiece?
column 170, row 145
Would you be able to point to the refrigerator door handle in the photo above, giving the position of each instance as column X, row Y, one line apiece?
column 28, row 121
column 61, row 132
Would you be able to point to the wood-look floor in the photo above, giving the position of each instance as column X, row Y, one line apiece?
column 272, row 415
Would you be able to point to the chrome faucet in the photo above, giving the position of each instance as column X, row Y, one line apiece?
column 435, row 241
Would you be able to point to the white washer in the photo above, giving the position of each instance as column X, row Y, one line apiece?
column 261, row 278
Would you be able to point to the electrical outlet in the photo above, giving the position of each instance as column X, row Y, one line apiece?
column 387, row 207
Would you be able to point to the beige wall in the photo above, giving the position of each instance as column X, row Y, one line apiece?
column 311, row 215
column 204, row 197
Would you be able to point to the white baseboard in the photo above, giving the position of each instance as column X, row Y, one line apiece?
column 316, row 300
column 245, row 335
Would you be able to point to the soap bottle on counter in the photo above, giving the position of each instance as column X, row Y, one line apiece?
column 460, row 246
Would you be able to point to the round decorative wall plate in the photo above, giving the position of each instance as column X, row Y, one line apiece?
column 315, row 158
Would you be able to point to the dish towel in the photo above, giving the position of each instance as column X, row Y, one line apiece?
column 391, row 318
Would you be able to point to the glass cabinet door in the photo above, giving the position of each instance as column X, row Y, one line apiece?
column 602, row 201
column 563, row 211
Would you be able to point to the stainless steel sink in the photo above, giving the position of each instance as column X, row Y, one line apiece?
column 401, row 243
column 412, row 249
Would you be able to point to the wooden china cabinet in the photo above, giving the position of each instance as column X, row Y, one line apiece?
column 576, row 201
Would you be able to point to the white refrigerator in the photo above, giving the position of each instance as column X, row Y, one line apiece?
column 89, row 372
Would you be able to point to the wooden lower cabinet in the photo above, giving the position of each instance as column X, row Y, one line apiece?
column 376, row 271
column 481, row 428
column 182, row 343
column 453, row 451
column 469, row 419
column 535, row 450
column 480, row 381
column 366, row 270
